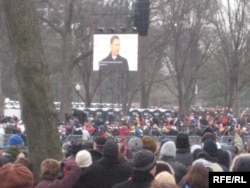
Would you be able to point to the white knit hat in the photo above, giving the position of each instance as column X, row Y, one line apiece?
column 168, row 149
column 83, row 158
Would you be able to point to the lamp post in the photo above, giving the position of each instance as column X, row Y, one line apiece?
column 78, row 88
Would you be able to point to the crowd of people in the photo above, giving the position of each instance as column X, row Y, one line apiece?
column 100, row 160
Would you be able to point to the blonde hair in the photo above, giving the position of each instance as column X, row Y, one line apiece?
column 165, row 177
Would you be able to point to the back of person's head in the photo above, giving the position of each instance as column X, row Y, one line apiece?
column 49, row 169
column 195, row 147
column 144, row 160
column 197, row 176
column 24, row 161
column 100, row 141
column 162, row 166
column 88, row 145
column 15, row 141
column 16, row 176
column 149, row 143
column 83, row 159
column 134, row 144
column 165, row 178
column 156, row 184
column 110, row 149
column 182, row 141
column 211, row 148
column 168, row 149
column 241, row 163
column 74, row 147
column 208, row 136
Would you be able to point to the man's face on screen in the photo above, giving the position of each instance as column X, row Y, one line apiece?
column 115, row 47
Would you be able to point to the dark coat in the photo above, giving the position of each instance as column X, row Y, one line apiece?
column 106, row 172
column 184, row 156
column 110, row 64
column 179, row 168
column 81, row 181
column 138, row 180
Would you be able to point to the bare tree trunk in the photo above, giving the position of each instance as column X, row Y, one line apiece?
column 37, row 106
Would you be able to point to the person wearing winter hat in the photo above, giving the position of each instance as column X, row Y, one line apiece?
column 149, row 143
column 224, row 155
column 84, row 160
column 109, row 170
column 168, row 154
column 208, row 157
column 183, row 153
column 144, row 169
column 16, row 176
column 134, row 144
column 195, row 147
column 211, row 148
column 15, row 148
column 96, row 153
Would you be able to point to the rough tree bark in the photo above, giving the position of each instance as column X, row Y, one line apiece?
column 34, row 86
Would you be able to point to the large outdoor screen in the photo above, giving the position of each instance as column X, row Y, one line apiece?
column 115, row 52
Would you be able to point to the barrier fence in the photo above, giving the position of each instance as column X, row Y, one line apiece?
column 193, row 140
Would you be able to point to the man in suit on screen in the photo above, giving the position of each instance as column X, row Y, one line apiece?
column 114, row 61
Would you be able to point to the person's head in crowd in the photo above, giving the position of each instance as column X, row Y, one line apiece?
column 73, row 149
column 134, row 144
column 149, row 143
column 162, row 166
column 163, row 141
column 208, row 136
column 165, row 178
column 15, row 142
column 15, row 147
column 83, row 159
column 99, row 142
column 110, row 150
column 195, row 147
column 88, row 145
column 145, row 161
column 156, row 184
column 49, row 169
column 182, row 141
column 199, row 153
column 241, row 163
column 24, row 161
column 168, row 149
column 211, row 148
column 196, row 176
column 16, row 176
column 207, row 130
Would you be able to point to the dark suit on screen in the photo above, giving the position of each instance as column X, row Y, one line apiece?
column 114, row 64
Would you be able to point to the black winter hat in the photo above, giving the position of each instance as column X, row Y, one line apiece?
column 110, row 149
column 144, row 160
column 211, row 148
column 182, row 141
column 100, row 141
